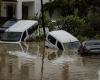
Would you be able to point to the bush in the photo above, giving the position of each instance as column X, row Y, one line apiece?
column 83, row 28
column 72, row 24
column 94, row 22
column 79, row 27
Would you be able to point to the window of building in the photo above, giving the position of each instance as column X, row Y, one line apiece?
column 32, row 29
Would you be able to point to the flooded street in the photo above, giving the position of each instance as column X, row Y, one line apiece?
column 32, row 61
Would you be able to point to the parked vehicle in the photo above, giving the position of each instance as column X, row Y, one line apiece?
column 61, row 39
column 90, row 46
column 7, row 24
column 20, row 31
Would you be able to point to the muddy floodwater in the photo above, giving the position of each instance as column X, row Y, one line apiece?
column 33, row 61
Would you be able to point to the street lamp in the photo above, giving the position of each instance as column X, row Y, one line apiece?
column 42, row 18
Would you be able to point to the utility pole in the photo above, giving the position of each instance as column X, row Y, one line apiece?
column 42, row 18
column 43, row 26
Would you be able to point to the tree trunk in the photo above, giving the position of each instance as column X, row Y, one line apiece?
column 0, row 7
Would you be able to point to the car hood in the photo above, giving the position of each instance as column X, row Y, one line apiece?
column 93, row 47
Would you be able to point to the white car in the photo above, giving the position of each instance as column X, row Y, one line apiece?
column 61, row 39
column 7, row 24
column 20, row 31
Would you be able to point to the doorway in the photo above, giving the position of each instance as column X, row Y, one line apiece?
column 10, row 12
column 24, row 12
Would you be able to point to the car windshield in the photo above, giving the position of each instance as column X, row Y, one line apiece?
column 92, row 43
column 8, row 24
column 11, row 36
column 72, row 45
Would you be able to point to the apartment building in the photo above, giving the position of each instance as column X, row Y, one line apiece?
column 21, row 9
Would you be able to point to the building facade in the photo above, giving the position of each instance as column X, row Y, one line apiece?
column 21, row 9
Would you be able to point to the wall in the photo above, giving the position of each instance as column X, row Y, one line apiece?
column 34, row 8
column 38, row 6
column 3, row 10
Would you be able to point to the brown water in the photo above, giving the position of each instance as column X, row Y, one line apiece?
column 32, row 61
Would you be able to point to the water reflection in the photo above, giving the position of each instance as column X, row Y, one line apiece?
column 32, row 61
column 52, row 55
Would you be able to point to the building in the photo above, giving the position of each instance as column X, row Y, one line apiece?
column 20, row 9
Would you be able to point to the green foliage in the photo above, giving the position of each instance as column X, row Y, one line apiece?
column 35, row 17
column 48, row 22
column 83, row 28
column 37, row 38
column 68, row 7
column 94, row 22
column 72, row 24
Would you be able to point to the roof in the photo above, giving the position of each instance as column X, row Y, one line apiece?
column 63, row 36
column 21, row 25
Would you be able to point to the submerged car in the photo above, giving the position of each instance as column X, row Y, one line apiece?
column 90, row 46
column 61, row 39
column 20, row 31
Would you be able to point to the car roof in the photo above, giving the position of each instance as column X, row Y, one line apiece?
column 63, row 36
column 91, row 41
column 21, row 25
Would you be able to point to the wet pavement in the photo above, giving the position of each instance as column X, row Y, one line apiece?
column 32, row 61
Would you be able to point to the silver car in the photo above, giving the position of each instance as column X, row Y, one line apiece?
column 90, row 46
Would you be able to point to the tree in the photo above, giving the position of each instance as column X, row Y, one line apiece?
column 94, row 22
column 65, row 6
column 72, row 24
column 0, row 7
column 82, row 6
column 68, row 7
column 86, row 7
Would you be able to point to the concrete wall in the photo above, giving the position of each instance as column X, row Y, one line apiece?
column 3, row 10
column 34, row 8
column 31, row 7
column 38, row 5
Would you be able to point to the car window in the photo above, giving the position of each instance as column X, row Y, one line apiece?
column 75, row 44
column 11, row 36
column 32, row 29
column 72, row 45
column 59, row 45
column 8, row 23
column 51, row 39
